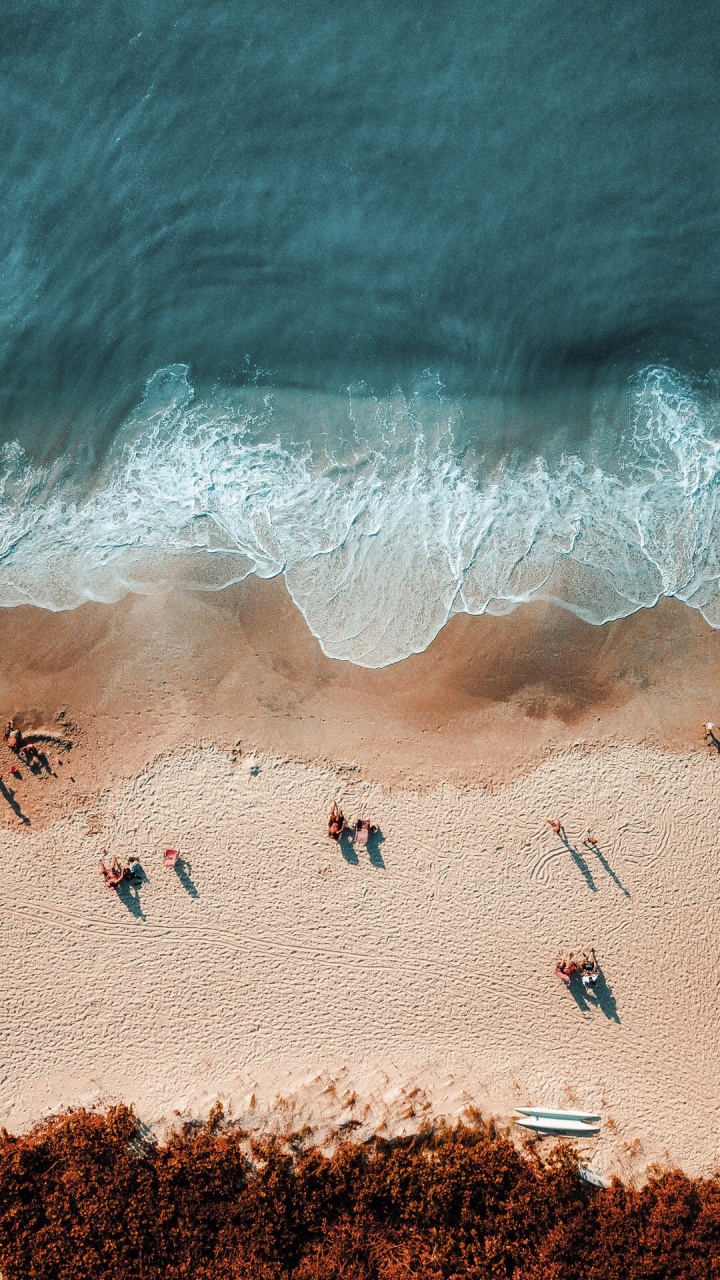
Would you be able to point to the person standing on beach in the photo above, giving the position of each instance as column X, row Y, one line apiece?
column 556, row 825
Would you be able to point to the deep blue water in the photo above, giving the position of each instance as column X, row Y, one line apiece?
column 416, row 304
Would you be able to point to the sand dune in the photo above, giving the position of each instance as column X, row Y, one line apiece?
column 376, row 988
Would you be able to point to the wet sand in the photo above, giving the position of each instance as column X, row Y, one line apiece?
column 487, row 701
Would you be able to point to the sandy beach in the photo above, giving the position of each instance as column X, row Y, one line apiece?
column 302, row 982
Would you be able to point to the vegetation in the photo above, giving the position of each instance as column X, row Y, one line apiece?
column 83, row 1197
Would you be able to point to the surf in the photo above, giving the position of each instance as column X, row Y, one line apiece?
column 381, row 532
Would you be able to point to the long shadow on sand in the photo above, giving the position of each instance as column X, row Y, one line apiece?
column 182, row 871
column 349, row 852
column 347, row 849
column 580, row 862
column 598, row 997
column 128, row 894
column 373, row 847
column 9, row 795
column 605, row 998
column 606, row 867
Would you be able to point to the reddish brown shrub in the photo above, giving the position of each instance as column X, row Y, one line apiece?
column 81, row 1198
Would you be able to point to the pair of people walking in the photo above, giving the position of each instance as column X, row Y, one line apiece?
column 589, row 840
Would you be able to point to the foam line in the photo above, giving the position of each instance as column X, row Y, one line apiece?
column 377, row 555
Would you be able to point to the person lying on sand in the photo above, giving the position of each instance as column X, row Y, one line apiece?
column 113, row 874
column 336, row 822
column 589, row 970
column 363, row 829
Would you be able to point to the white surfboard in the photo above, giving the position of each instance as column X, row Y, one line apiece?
column 550, row 1124
column 554, row 1114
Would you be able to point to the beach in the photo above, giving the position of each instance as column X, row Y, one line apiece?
column 364, row 990
column 359, row 460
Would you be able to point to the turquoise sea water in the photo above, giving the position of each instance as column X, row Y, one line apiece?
column 416, row 305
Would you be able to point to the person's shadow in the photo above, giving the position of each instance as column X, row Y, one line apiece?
column 45, row 763
column 604, row 997
column 577, row 991
column 598, row 996
column 9, row 795
column 347, row 848
column 373, row 847
column 182, row 871
column 127, row 892
column 606, row 867
column 579, row 861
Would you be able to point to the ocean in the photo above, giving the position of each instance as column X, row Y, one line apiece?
column 416, row 305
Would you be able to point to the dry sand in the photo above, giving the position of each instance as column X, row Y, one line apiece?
column 374, row 989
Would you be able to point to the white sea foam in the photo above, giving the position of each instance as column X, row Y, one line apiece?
column 377, row 554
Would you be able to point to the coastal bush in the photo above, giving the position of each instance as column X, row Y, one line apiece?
column 84, row 1196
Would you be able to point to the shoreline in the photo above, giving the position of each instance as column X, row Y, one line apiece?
column 486, row 702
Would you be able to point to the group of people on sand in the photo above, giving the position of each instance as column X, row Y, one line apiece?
column 588, row 968
column 115, row 874
column 359, row 832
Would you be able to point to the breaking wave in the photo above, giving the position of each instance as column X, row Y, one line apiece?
column 378, row 544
